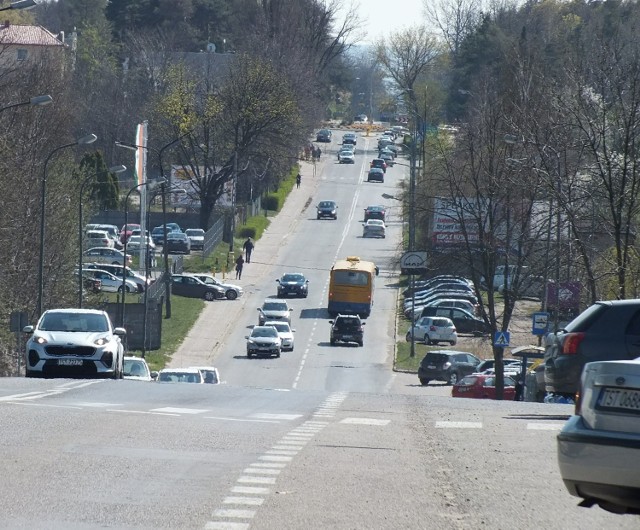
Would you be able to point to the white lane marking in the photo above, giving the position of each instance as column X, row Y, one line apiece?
column 44, row 405
column 99, row 405
column 274, row 465
column 252, row 501
column 250, row 490
column 283, row 453
column 28, row 395
column 458, row 425
column 293, row 442
column 288, row 447
column 267, row 416
column 256, row 480
column 272, row 458
column 365, row 421
column 226, row 418
column 262, row 471
column 180, row 410
column 544, row 427
column 213, row 525
column 237, row 514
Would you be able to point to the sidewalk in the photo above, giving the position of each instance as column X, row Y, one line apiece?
column 200, row 346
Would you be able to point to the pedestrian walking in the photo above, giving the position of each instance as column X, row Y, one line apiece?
column 248, row 248
column 298, row 180
column 239, row 264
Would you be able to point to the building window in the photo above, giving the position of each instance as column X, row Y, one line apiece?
column 22, row 54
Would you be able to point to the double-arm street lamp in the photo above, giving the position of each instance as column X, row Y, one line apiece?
column 114, row 169
column 85, row 140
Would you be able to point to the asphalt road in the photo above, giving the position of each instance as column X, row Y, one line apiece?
column 324, row 437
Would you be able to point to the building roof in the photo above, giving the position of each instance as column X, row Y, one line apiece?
column 13, row 34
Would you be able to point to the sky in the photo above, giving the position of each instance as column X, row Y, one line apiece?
column 381, row 17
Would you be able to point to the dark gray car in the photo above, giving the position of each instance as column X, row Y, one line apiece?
column 446, row 365
column 606, row 331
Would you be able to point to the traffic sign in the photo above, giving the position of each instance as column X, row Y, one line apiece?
column 501, row 339
column 413, row 260
column 540, row 323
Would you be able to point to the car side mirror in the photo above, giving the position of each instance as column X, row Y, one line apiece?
column 120, row 331
column 154, row 375
column 246, row 337
column 330, row 321
column 362, row 323
column 28, row 329
column 293, row 331
column 377, row 271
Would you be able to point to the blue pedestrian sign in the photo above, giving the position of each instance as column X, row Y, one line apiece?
column 540, row 323
column 501, row 339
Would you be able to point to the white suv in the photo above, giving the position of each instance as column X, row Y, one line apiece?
column 74, row 342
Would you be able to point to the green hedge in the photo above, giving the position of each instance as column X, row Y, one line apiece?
column 271, row 201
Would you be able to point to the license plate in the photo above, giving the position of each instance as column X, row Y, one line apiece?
column 69, row 362
column 619, row 399
column 431, row 367
column 347, row 337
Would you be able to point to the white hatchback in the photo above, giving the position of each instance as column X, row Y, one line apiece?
column 285, row 332
column 433, row 330
column 598, row 447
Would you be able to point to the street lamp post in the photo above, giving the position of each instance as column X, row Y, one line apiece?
column 85, row 140
column 20, row 4
column 114, row 169
column 36, row 101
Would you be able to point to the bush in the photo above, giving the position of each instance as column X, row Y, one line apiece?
column 247, row 231
column 271, row 202
column 254, row 227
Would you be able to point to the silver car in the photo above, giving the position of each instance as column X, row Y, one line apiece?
column 598, row 447
column 274, row 309
column 264, row 341
column 74, row 342
column 374, row 228
column 285, row 332
column 110, row 283
column 107, row 255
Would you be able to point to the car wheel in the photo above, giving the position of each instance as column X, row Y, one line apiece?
column 408, row 336
column 120, row 289
column 452, row 342
column 424, row 382
column 231, row 295
column 333, row 342
column 278, row 354
column 209, row 296
column 318, row 218
column 426, row 339
column 360, row 343
column 453, row 378
column 249, row 355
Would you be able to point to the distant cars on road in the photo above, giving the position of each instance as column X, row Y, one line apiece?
column 274, row 309
column 293, row 283
column 327, row 209
column 347, row 328
column 374, row 228
column 263, row 341
column 375, row 174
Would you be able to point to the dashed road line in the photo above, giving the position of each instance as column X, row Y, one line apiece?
column 458, row 425
column 365, row 421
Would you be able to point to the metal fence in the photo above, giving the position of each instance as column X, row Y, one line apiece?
column 213, row 237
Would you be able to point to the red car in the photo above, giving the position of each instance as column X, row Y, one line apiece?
column 125, row 232
column 482, row 386
column 378, row 162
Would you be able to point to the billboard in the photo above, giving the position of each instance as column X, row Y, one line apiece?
column 448, row 225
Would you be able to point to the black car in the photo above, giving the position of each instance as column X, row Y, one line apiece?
column 178, row 242
column 347, row 328
column 606, row 331
column 375, row 173
column 464, row 321
column 375, row 212
column 190, row 287
column 324, row 135
column 446, row 365
column 350, row 138
column 293, row 283
column 327, row 209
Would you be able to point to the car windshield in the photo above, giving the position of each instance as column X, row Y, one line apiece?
column 74, row 322
column 180, row 377
column 281, row 327
column 376, row 222
column 194, row 232
column 347, row 323
column 468, row 381
column 326, row 204
column 292, row 278
column 135, row 368
column 264, row 332
column 274, row 306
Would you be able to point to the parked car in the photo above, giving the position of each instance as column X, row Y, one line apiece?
column 98, row 238
column 110, row 283
column 126, row 230
column 598, row 446
column 375, row 212
column 137, row 369
column 191, row 287
column 74, row 342
column 379, row 163
column 490, row 364
column 285, row 332
column 178, row 242
column 274, row 309
column 376, row 174
column 263, row 341
column 483, row 386
column 346, row 157
column 374, row 228
column 231, row 291
column 606, row 331
column 452, row 302
column 180, row 375
column 116, row 270
column 433, row 330
column 324, row 135
column 347, row 328
column 210, row 374
column 327, row 209
column 464, row 321
column 421, row 285
column 196, row 238
column 293, row 283
column 446, row 365
column 113, row 232
column 425, row 299
column 157, row 234
column 135, row 242
column 107, row 255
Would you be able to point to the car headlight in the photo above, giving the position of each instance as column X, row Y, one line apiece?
column 446, row 365
column 250, row 341
column 40, row 340
column 101, row 341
